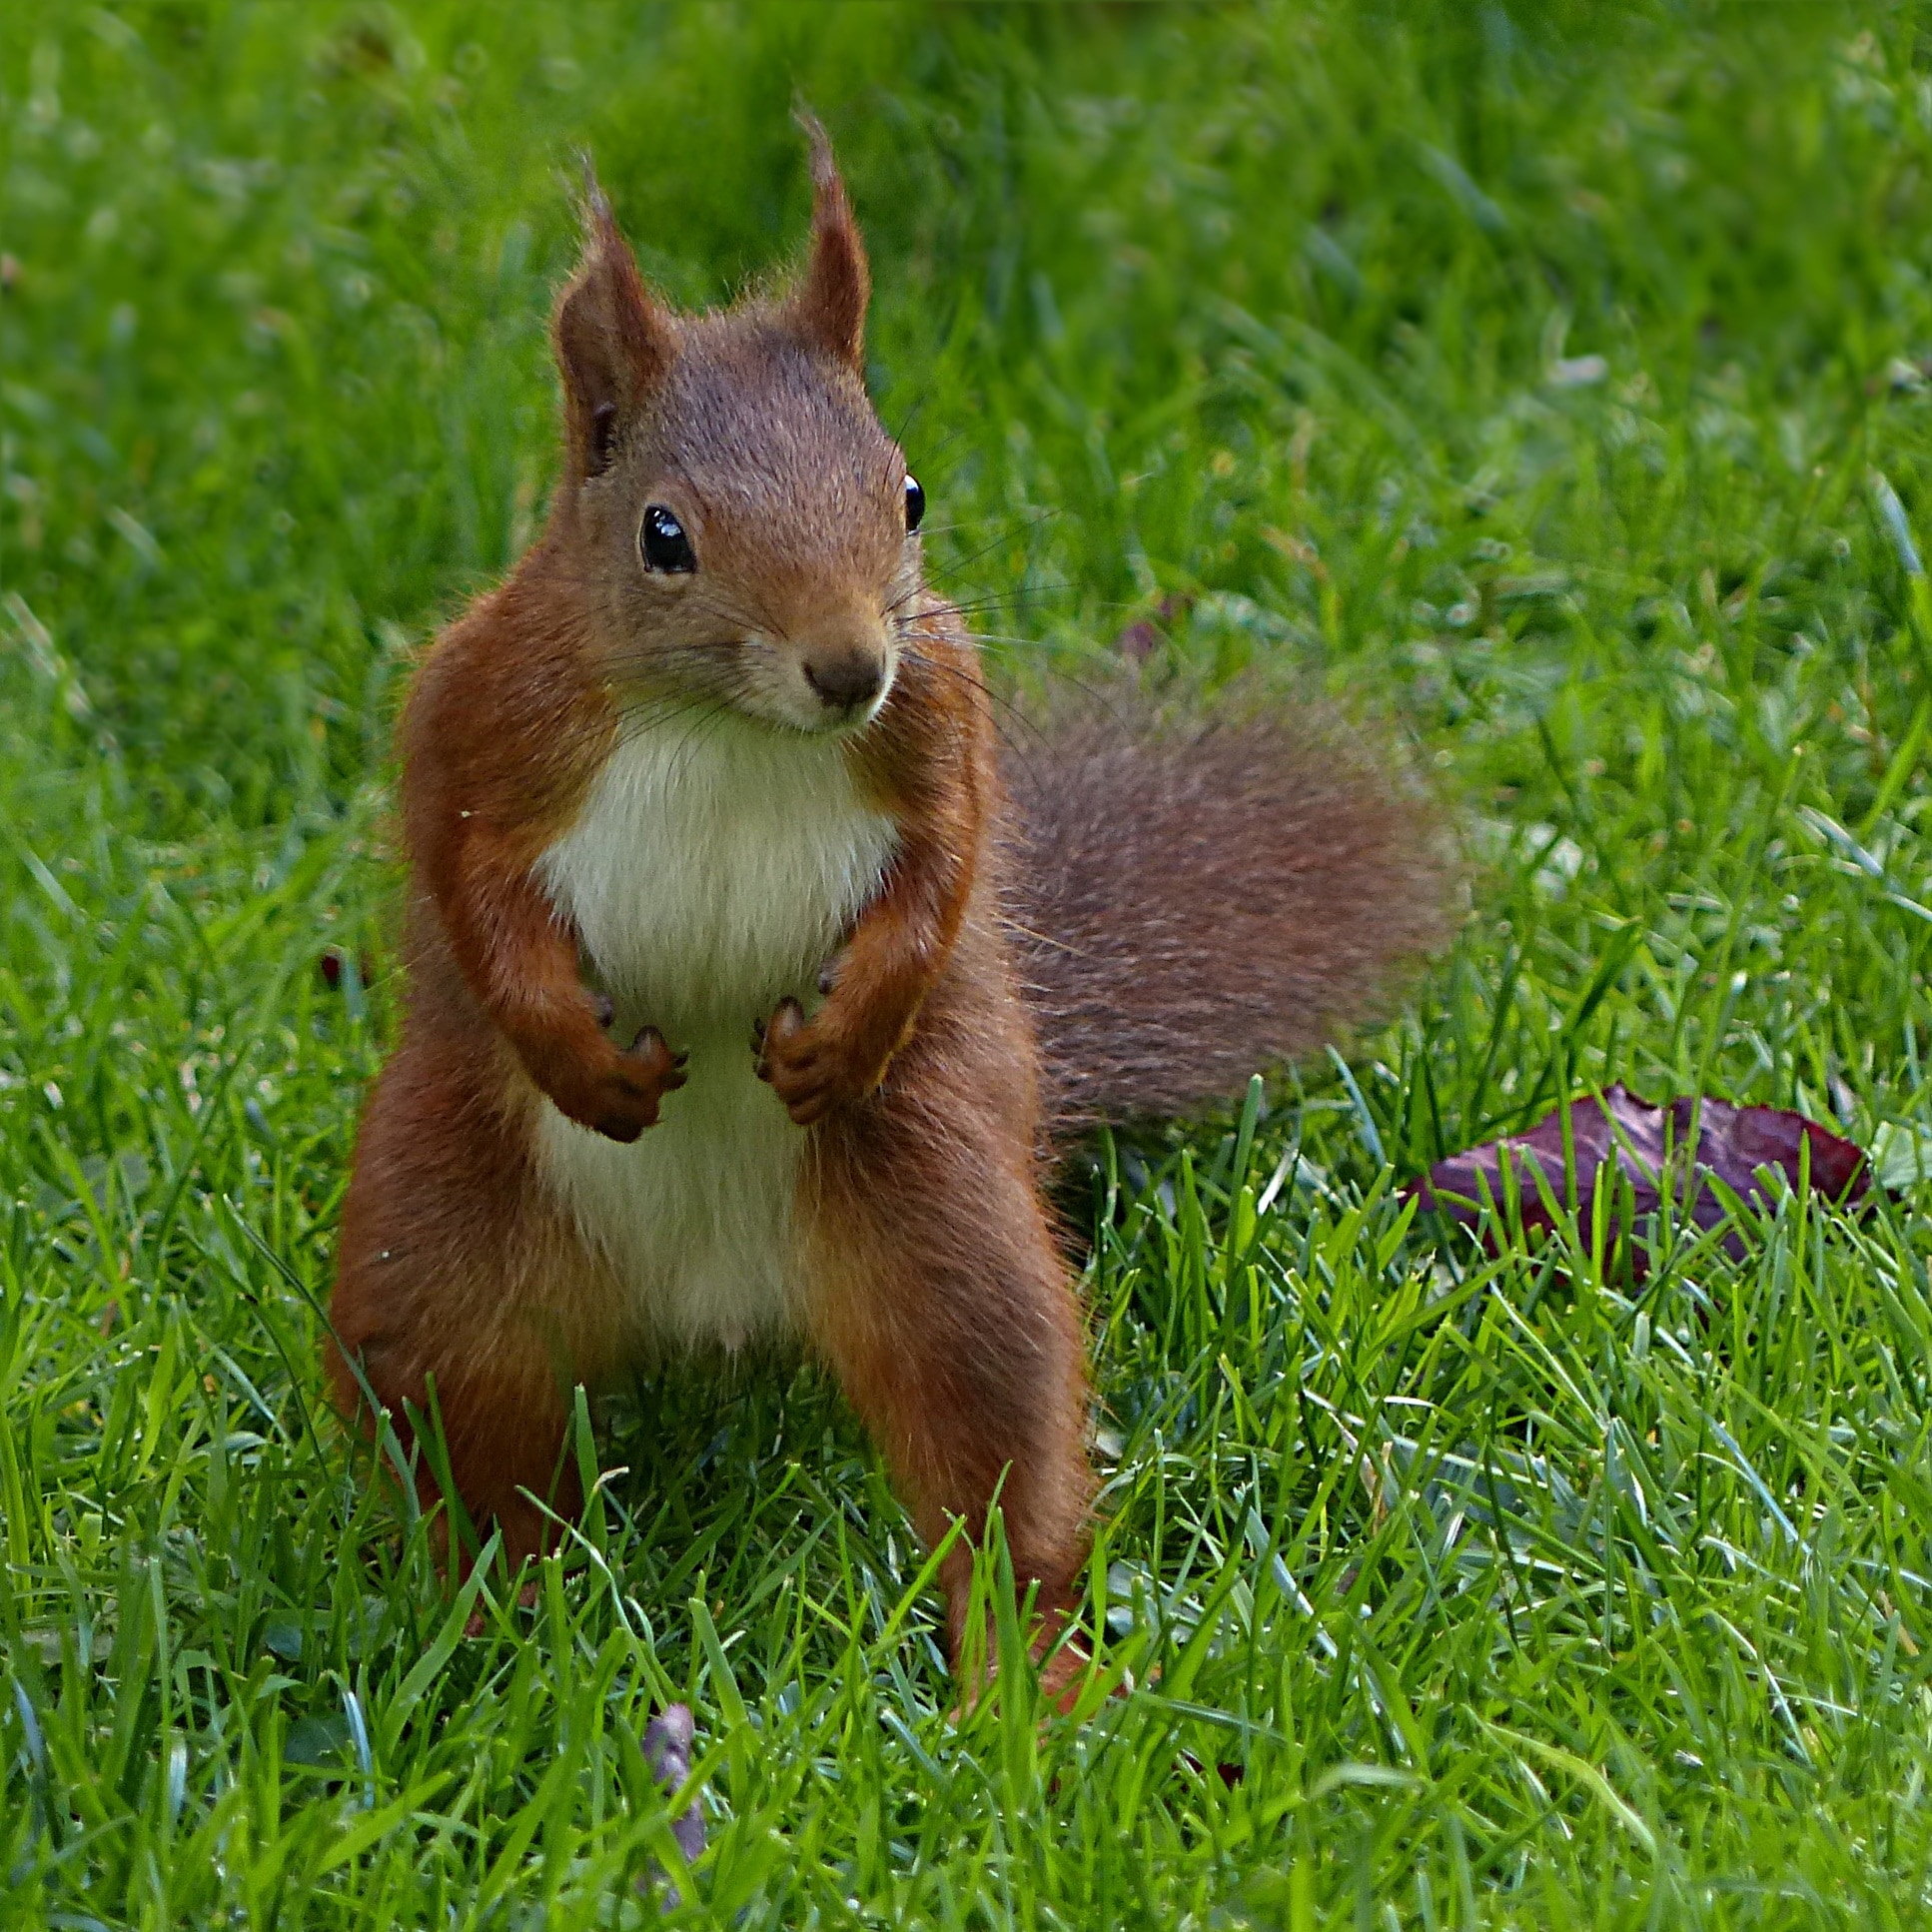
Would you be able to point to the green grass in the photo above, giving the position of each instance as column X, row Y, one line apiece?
column 1519, row 1599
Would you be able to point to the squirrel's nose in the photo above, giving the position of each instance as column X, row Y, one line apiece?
column 847, row 678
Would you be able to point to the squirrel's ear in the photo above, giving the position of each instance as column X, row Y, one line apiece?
column 828, row 305
column 614, row 343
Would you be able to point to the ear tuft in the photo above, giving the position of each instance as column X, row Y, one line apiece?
column 613, row 341
column 828, row 306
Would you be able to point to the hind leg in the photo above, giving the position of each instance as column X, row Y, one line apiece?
column 935, row 1293
column 453, row 1269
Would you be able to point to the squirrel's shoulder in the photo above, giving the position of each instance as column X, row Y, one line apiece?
column 501, row 703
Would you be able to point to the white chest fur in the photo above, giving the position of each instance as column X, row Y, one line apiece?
column 709, row 875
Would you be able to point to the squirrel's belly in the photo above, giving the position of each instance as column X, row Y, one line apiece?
column 707, row 878
column 695, row 1216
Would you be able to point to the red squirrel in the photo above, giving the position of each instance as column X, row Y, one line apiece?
column 748, row 983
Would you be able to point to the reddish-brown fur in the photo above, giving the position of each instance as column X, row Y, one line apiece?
column 932, row 1285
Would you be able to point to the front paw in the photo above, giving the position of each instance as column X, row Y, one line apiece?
column 623, row 1099
column 812, row 1066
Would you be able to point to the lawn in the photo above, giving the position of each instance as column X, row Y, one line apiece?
column 1554, row 385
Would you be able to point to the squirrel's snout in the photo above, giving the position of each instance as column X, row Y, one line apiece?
column 846, row 680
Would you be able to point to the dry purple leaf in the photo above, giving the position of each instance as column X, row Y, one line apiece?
column 668, row 1751
column 1649, row 1152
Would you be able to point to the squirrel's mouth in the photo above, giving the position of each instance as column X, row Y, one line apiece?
column 819, row 693
column 826, row 721
column 805, row 692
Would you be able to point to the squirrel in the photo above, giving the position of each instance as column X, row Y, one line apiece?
column 751, row 987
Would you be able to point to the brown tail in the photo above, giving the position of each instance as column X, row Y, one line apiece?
column 1196, row 907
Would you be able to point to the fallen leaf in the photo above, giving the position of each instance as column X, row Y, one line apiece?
column 1647, row 1153
column 668, row 1751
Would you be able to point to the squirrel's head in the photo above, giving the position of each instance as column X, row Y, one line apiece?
column 742, row 524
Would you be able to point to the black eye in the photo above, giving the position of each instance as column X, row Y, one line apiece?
column 915, row 504
column 663, row 543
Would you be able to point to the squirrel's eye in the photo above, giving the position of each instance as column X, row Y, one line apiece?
column 663, row 543
column 915, row 503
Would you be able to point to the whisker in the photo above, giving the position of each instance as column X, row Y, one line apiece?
column 951, row 566
column 942, row 607
column 1007, row 640
column 658, row 677
column 683, row 753
column 757, row 617
column 637, row 723
column 998, row 700
column 911, row 417
column 942, row 445
column 1101, row 696
column 940, row 569
column 993, row 599
column 762, row 617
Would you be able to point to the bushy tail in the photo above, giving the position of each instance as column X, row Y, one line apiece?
column 1197, row 906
